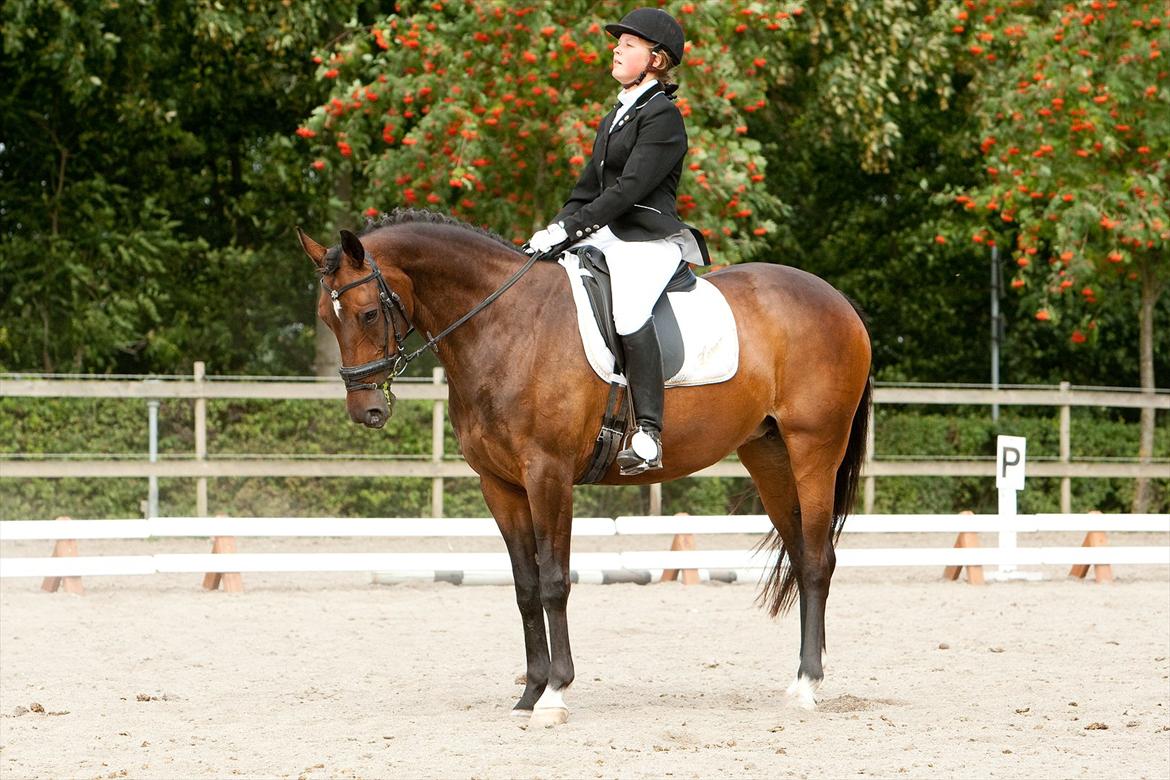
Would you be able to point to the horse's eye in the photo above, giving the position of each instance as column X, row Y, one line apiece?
column 370, row 317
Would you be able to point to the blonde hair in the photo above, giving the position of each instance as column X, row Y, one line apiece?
column 665, row 74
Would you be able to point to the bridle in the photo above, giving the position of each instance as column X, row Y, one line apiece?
column 395, row 363
column 389, row 303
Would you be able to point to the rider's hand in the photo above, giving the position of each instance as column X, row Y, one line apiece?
column 544, row 240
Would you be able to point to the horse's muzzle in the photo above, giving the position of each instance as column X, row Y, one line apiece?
column 368, row 407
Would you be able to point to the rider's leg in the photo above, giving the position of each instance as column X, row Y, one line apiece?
column 640, row 271
column 644, row 375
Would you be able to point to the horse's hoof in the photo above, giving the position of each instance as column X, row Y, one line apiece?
column 547, row 717
column 806, row 703
column 801, row 692
column 519, row 713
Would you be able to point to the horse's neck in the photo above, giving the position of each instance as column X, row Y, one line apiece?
column 452, row 274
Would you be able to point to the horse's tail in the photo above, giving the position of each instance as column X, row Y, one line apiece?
column 780, row 589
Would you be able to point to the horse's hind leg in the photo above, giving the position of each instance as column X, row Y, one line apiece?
column 766, row 459
column 815, row 454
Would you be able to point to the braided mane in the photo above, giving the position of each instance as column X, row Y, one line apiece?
column 407, row 216
column 401, row 216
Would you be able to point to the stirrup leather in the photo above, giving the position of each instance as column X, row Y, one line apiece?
column 643, row 453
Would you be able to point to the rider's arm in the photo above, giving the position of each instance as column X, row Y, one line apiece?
column 661, row 144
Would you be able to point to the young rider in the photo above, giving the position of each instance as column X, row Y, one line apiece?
column 624, row 204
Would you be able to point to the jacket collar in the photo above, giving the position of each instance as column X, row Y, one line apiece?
column 655, row 91
column 636, row 95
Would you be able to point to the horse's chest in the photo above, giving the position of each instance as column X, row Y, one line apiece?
column 482, row 440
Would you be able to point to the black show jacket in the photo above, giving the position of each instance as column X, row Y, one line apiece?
column 631, row 181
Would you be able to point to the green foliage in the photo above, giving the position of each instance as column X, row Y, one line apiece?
column 870, row 235
column 1075, row 112
column 150, row 174
column 146, row 182
column 866, row 61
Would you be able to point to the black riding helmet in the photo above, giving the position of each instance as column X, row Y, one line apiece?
column 654, row 25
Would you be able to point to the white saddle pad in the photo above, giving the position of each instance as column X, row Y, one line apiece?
column 709, row 335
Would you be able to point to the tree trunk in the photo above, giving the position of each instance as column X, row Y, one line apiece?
column 1151, row 288
column 328, row 356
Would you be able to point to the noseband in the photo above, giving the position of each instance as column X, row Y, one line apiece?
column 390, row 302
column 397, row 362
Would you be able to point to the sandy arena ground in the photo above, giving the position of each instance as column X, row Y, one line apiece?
column 318, row 676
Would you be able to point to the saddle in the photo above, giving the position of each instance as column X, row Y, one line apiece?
column 599, row 289
column 690, row 311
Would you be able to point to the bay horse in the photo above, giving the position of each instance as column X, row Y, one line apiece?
column 526, row 408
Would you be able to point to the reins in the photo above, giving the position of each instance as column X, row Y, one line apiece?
column 389, row 301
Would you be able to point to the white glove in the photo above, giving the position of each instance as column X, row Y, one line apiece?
column 544, row 240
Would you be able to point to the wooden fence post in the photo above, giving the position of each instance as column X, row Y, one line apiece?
column 438, row 420
column 867, row 467
column 1065, row 452
column 64, row 548
column 200, row 436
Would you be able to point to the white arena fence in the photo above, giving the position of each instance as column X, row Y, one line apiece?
column 625, row 566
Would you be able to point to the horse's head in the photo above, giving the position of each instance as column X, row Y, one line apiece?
column 363, row 309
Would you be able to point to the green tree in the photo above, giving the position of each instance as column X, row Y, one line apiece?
column 1075, row 113
column 868, row 120
column 147, row 184
column 863, row 62
column 84, row 251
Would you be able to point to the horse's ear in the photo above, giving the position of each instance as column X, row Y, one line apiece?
column 353, row 247
column 315, row 251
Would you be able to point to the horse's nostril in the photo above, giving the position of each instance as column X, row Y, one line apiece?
column 374, row 418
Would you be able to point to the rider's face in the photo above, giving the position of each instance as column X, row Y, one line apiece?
column 631, row 55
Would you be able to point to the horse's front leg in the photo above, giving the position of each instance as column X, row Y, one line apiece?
column 509, row 505
column 551, row 500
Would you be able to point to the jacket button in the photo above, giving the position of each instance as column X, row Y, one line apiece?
column 579, row 234
column 595, row 227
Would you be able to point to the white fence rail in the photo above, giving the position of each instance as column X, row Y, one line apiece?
column 589, row 564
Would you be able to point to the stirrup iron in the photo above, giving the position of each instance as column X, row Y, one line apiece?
column 644, row 453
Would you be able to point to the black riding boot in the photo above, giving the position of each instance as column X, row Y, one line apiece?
column 644, row 376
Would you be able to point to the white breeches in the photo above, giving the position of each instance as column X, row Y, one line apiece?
column 639, row 271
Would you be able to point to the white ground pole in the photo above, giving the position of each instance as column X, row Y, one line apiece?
column 1010, row 457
